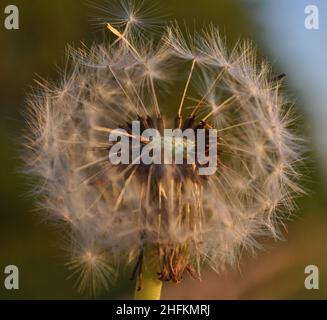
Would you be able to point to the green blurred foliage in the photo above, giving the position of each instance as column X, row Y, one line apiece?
column 37, row 49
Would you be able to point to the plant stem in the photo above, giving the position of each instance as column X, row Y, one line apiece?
column 151, row 286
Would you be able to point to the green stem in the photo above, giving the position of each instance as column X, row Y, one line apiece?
column 151, row 286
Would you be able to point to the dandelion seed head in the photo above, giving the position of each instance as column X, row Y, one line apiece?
column 112, row 212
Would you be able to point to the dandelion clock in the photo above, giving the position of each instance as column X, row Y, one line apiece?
column 133, row 184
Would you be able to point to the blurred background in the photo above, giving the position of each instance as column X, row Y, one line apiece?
column 38, row 49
